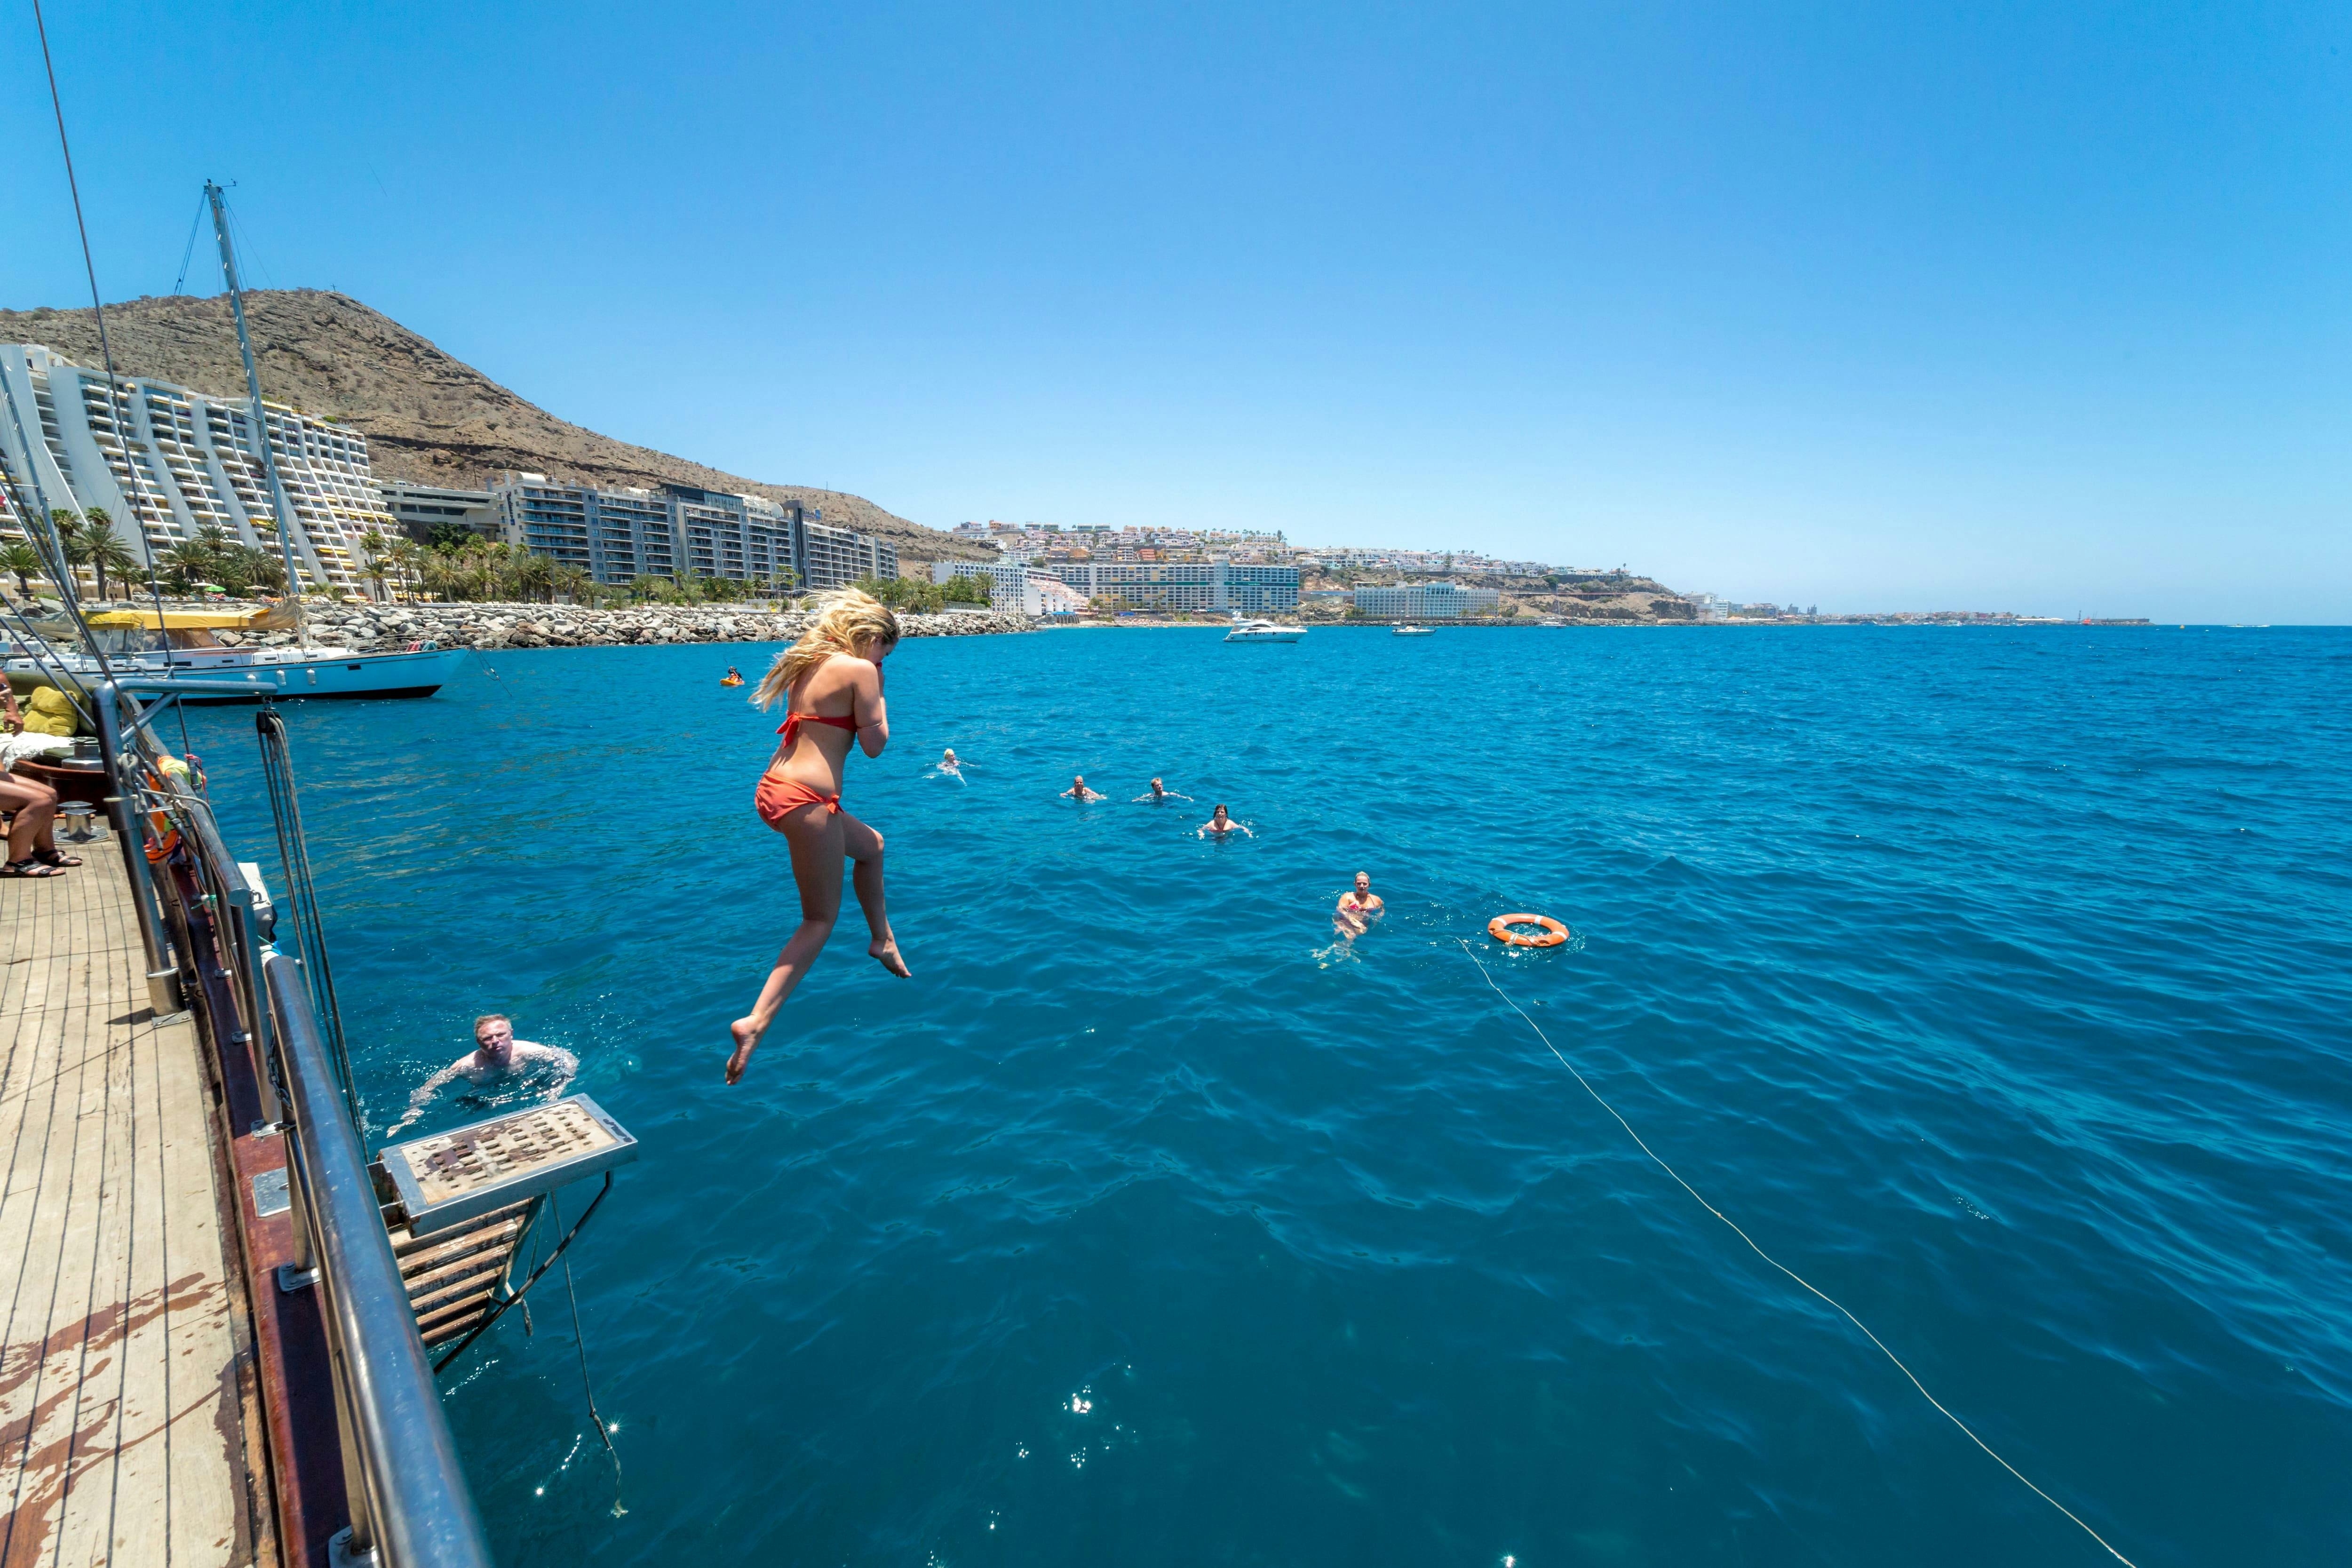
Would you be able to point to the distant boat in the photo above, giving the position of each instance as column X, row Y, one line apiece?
column 175, row 645
column 1408, row 631
column 1264, row 631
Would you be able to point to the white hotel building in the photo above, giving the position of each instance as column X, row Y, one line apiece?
column 164, row 461
column 618, row 535
column 1426, row 602
column 1203, row 587
column 1014, row 586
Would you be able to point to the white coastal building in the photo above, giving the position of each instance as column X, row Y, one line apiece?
column 618, row 535
column 1426, row 602
column 164, row 461
column 1014, row 586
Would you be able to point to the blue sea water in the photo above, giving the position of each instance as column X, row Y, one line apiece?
column 1995, row 980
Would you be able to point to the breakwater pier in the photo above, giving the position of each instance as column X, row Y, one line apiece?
column 502, row 625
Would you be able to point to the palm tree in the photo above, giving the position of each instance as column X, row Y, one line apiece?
column 232, row 568
column 65, row 523
column 372, row 543
column 534, row 575
column 104, row 548
column 186, row 565
column 260, row 567
column 22, row 562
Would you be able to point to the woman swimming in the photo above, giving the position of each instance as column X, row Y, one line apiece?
column 831, row 684
column 1219, row 824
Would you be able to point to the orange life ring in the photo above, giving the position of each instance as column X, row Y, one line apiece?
column 162, row 837
column 1554, row 933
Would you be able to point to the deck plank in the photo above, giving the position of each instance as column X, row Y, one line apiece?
column 122, row 1435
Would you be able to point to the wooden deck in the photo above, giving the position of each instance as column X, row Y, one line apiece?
column 125, row 1370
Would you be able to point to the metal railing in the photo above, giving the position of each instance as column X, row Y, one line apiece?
column 409, row 1504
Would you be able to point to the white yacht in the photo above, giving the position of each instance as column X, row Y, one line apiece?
column 1408, row 631
column 1264, row 631
column 179, row 644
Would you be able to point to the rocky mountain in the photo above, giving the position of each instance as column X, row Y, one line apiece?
column 428, row 418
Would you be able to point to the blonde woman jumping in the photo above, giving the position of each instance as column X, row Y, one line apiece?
column 831, row 684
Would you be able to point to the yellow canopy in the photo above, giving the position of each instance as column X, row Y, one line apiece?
column 261, row 617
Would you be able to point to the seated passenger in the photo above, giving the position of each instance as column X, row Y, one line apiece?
column 32, row 808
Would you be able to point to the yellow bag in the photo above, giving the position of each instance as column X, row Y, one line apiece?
column 49, row 712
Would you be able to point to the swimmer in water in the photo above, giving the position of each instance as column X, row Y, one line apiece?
column 1358, row 908
column 1160, row 792
column 947, row 764
column 831, row 685
column 496, row 1054
column 1219, row 824
column 1080, row 792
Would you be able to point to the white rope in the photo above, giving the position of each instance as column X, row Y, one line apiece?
column 1810, row 1286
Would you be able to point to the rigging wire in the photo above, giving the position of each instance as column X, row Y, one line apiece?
column 581, row 1345
column 117, row 411
column 48, row 656
column 520, row 1298
column 1806, row 1284
column 179, row 284
column 309, row 932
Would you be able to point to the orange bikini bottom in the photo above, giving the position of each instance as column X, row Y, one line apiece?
column 776, row 797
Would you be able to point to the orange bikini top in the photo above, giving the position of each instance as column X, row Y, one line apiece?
column 792, row 722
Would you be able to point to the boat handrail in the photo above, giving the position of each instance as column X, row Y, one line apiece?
column 409, row 1501
column 405, row 1488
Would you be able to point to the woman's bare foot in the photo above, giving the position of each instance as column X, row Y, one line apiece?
column 884, row 951
column 747, row 1040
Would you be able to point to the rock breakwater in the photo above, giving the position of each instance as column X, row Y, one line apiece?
column 376, row 627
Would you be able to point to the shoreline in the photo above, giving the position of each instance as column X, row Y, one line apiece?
column 491, row 626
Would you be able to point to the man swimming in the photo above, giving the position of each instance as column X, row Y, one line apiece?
column 1219, row 824
column 1357, row 909
column 1080, row 792
column 496, row 1054
column 1160, row 792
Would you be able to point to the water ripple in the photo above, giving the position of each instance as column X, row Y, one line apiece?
column 1995, row 981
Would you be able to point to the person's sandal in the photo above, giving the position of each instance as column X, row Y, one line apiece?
column 29, row 867
column 56, row 857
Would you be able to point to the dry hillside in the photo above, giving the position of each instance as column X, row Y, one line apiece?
column 428, row 418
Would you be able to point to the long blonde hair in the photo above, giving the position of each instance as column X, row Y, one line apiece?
column 851, row 619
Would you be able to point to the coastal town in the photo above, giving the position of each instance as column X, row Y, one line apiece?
column 145, row 472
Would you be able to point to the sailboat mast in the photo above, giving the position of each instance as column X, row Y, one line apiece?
column 277, row 497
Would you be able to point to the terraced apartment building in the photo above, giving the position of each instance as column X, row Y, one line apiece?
column 618, row 535
column 164, row 460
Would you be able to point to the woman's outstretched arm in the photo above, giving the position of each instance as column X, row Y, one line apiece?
column 865, row 702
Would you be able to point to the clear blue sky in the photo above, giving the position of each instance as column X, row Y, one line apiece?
column 1910, row 305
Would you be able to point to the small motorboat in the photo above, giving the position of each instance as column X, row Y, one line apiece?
column 1408, row 631
column 1264, row 631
